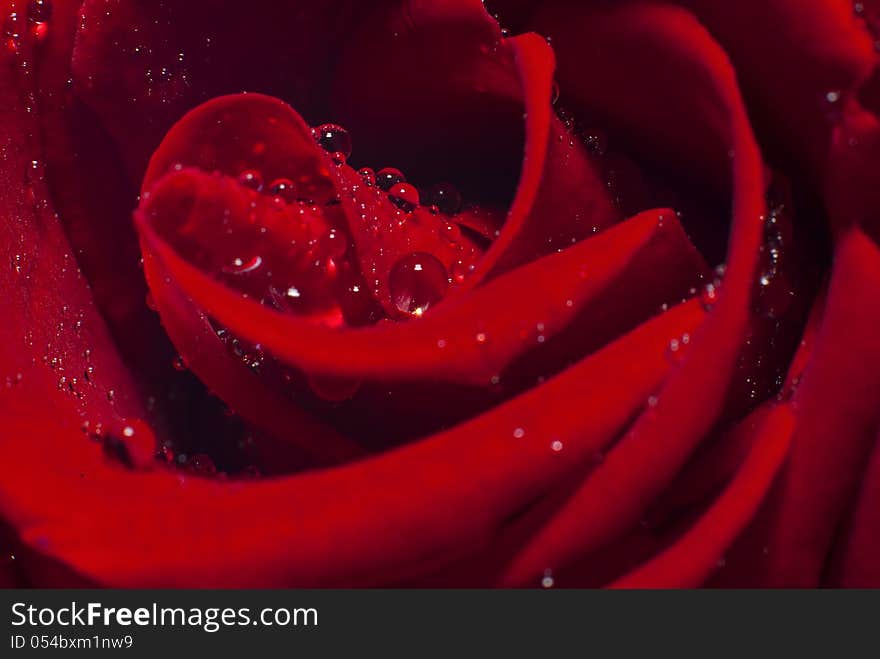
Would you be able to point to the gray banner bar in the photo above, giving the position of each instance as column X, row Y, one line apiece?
column 416, row 623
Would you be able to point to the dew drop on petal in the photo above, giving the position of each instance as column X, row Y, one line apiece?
column 460, row 271
column 709, row 296
column 445, row 197
column 404, row 196
column 417, row 282
column 333, row 138
column 132, row 443
column 252, row 179
column 451, row 231
column 389, row 176
column 368, row 176
column 244, row 266
column 283, row 189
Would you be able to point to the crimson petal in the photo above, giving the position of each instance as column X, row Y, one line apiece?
column 345, row 525
column 831, row 441
column 616, row 493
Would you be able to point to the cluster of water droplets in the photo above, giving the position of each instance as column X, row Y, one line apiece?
column 418, row 280
column 774, row 293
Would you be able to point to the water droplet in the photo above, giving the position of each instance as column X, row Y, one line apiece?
column 416, row 282
column 333, row 138
column 404, row 196
column 460, row 271
column 243, row 266
column 252, row 179
column 451, row 231
column 556, row 445
column 283, row 189
column 547, row 580
column 388, row 177
column 368, row 176
column 709, row 296
column 519, row 433
column 774, row 295
column 774, row 292
column 132, row 443
column 445, row 197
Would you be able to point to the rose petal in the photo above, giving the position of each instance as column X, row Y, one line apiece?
column 837, row 418
column 852, row 186
column 475, row 329
column 783, row 51
column 51, row 328
column 645, row 461
column 481, row 106
column 695, row 556
column 345, row 525
column 651, row 93
column 238, row 385
column 861, row 562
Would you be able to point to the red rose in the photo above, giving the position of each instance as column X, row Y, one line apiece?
column 595, row 309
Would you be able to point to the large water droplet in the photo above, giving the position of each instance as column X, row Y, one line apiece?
column 445, row 197
column 389, row 176
column 416, row 282
column 252, row 179
column 283, row 189
column 404, row 196
column 333, row 138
